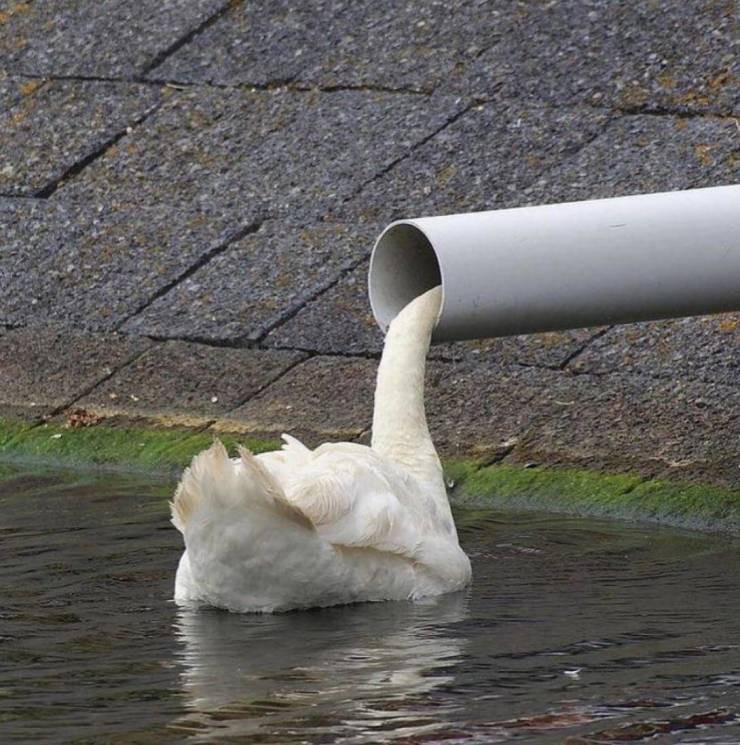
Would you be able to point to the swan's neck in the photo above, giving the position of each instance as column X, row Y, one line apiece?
column 400, row 429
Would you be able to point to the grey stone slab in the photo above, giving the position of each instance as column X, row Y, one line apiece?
column 185, row 382
column 340, row 321
column 670, row 428
column 14, row 88
column 705, row 348
column 92, row 266
column 112, row 38
column 671, row 55
column 411, row 45
column 642, row 154
column 43, row 369
column 261, row 279
column 298, row 152
column 478, row 410
column 56, row 124
column 323, row 398
column 484, row 160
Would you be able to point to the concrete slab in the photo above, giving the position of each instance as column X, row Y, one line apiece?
column 670, row 428
column 706, row 348
column 45, row 369
column 324, row 398
column 641, row 154
column 93, row 266
column 55, row 124
column 298, row 152
column 13, row 88
column 112, row 38
column 262, row 279
column 675, row 55
column 182, row 383
column 411, row 45
column 484, row 160
column 340, row 321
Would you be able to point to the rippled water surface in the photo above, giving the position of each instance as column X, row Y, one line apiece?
column 574, row 631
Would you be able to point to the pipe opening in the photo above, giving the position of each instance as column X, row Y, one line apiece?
column 403, row 266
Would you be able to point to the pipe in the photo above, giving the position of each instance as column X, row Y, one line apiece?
column 563, row 266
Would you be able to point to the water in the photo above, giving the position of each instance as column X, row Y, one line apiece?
column 574, row 632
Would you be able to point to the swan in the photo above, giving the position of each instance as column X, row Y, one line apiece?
column 344, row 523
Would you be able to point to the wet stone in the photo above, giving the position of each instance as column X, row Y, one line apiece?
column 672, row 55
column 324, row 398
column 111, row 38
column 480, row 411
column 259, row 281
column 484, row 160
column 676, row 428
column 705, row 348
column 188, row 381
column 642, row 154
column 340, row 321
column 412, row 45
column 93, row 266
column 43, row 369
column 298, row 152
column 56, row 124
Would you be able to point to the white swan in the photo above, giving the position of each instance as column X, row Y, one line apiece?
column 298, row 528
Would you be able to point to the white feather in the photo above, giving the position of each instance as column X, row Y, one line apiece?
column 298, row 528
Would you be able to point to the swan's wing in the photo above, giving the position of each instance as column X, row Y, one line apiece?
column 350, row 501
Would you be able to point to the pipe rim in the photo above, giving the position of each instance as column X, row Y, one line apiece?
column 404, row 264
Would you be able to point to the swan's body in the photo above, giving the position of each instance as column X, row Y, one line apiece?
column 298, row 528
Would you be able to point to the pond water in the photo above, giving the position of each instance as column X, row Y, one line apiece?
column 575, row 631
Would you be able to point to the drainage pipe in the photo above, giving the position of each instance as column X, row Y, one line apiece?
column 563, row 266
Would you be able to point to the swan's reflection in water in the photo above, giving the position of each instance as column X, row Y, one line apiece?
column 358, row 673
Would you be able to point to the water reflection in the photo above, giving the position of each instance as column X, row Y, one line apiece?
column 373, row 665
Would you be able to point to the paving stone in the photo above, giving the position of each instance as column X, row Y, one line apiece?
column 340, row 321
column 261, row 279
column 14, row 88
column 411, row 45
column 663, row 54
column 92, row 266
column 669, row 428
column 185, row 382
column 642, row 154
column 704, row 348
column 480, row 410
column 324, row 398
column 299, row 152
column 112, row 38
column 484, row 160
column 55, row 124
column 43, row 369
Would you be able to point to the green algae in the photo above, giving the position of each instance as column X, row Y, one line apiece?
column 608, row 495
column 128, row 448
column 562, row 490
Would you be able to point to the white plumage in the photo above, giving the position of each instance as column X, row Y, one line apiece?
column 299, row 528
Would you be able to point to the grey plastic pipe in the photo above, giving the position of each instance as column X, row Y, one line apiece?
column 565, row 266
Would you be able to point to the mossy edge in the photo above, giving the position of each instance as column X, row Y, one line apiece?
column 141, row 449
column 571, row 491
column 605, row 495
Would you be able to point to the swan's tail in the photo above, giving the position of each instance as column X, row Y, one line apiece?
column 214, row 481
